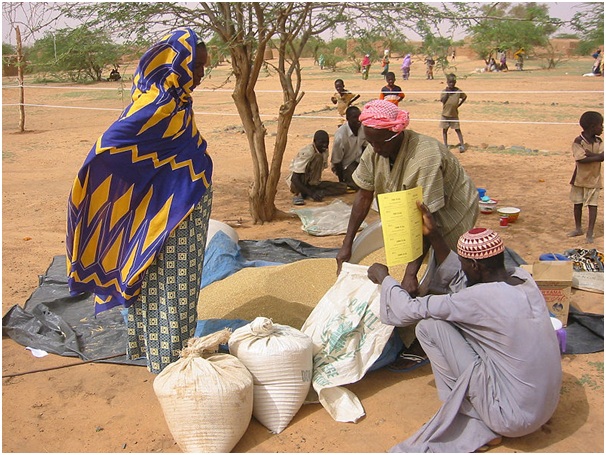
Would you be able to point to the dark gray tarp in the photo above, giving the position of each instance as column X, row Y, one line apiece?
column 283, row 250
column 56, row 322
column 584, row 332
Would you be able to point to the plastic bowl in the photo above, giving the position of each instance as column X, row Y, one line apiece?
column 488, row 207
column 512, row 213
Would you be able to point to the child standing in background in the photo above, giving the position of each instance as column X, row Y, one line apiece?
column 452, row 98
column 342, row 98
column 391, row 92
column 588, row 152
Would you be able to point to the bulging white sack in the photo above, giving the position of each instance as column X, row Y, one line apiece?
column 207, row 398
column 279, row 358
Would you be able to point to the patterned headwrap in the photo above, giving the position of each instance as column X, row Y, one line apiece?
column 480, row 243
column 142, row 177
column 383, row 115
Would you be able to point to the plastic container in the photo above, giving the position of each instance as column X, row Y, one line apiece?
column 512, row 213
column 481, row 192
column 560, row 333
column 488, row 207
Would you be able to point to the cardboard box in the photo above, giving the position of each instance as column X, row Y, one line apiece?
column 554, row 279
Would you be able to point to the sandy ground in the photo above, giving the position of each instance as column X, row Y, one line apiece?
column 112, row 408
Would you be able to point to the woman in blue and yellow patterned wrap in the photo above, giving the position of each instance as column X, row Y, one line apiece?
column 139, row 208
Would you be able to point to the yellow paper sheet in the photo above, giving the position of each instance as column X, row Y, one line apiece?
column 402, row 224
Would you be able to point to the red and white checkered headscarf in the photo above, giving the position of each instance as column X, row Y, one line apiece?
column 480, row 243
column 384, row 115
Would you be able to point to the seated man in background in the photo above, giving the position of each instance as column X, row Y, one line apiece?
column 349, row 143
column 306, row 169
column 493, row 350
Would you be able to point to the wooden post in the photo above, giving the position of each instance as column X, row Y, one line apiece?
column 20, row 62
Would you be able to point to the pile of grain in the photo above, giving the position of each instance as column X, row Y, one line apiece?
column 284, row 293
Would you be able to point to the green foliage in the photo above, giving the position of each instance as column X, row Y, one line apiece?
column 8, row 49
column 365, row 43
column 218, row 51
column 337, row 43
column 331, row 61
column 81, row 53
column 312, row 47
column 373, row 43
column 589, row 22
column 437, row 47
column 509, row 27
column 8, row 54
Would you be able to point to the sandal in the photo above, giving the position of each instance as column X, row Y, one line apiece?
column 298, row 200
column 398, row 365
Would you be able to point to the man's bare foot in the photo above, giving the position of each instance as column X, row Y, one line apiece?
column 492, row 443
column 575, row 233
column 589, row 238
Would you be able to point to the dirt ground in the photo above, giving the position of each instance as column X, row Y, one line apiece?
column 518, row 127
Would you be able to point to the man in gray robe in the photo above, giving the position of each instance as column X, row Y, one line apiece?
column 492, row 347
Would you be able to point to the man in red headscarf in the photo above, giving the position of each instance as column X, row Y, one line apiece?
column 493, row 350
column 400, row 159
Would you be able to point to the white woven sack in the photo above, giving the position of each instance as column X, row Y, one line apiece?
column 348, row 337
column 206, row 398
column 280, row 360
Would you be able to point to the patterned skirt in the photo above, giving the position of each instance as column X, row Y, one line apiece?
column 165, row 315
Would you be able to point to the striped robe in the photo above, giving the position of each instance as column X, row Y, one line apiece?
column 422, row 161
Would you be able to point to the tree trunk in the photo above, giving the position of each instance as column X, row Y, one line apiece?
column 287, row 111
column 262, row 208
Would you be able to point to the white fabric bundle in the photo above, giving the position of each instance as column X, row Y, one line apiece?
column 280, row 361
column 207, row 398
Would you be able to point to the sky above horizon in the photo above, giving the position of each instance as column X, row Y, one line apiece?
column 561, row 10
